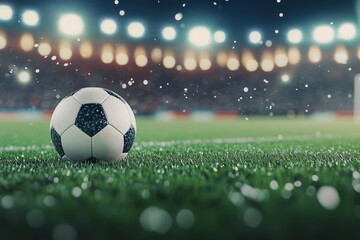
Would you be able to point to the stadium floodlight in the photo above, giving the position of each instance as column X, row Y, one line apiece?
column 169, row 61
column 156, row 55
column 86, row 49
column 323, row 34
column 294, row 36
column 65, row 50
column 204, row 62
column 341, row 55
column 285, row 78
column 27, row 42
column 24, row 77
column 122, row 57
column 219, row 36
column 44, row 49
column 199, row 36
column 107, row 54
column 141, row 59
column 346, row 31
column 233, row 62
column 3, row 40
column 169, row 33
column 221, row 59
column 255, row 37
column 108, row 26
column 6, row 12
column 294, row 55
column 251, row 65
column 314, row 54
column 281, row 58
column 249, row 62
column 267, row 63
column 71, row 24
column 136, row 29
column 30, row 18
column 190, row 63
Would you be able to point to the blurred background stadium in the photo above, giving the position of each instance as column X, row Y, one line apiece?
column 229, row 57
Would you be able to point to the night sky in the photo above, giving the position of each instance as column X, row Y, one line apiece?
column 235, row 17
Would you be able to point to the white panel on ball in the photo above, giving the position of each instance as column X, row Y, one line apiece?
column 117, row 114
column 76, row 144
column 132, row 116
column 91, row 95
column 107, row 144
column 65, row 114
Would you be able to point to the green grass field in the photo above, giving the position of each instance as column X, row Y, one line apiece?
column 266, row 178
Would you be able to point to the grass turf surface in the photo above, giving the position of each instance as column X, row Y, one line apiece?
column 229, row 179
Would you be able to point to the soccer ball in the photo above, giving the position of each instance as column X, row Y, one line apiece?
column 93, row 124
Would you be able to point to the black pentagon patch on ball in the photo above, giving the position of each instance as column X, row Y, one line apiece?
column 111, row 93
column 91, row 119
column 56, row 140
column 129, row 138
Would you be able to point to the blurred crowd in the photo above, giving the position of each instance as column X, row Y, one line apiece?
column 307, row 88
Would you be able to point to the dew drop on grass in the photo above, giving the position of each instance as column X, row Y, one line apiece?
column 310, row 191
column 297, row 183
column 286, row 194
column 315, row 178
column 274, row 185
column 145, row 194
column 236, row 198
column 64, row 231
column 76, row 192
column 49, row 201
column 185, row 218
column 289, row 187
column 35, row 218
column 328, row 197
column 155, row 219
column 252, row 217
column 356, row 186
column 7, row 202
column 84, row 185
column 356, row 175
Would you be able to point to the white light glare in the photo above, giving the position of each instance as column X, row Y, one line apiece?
column 71, row 24
column 294, row 36
column 346, row 31
column 6, row 12
column 136, row 29
column 255, row 37
column 178, row 16
column 285, row 78
column 24, row 77
column 108, row 26
column 30, row 18
column 199, row 36
column 323, row 34
column 169, row 33
column 219, row 36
